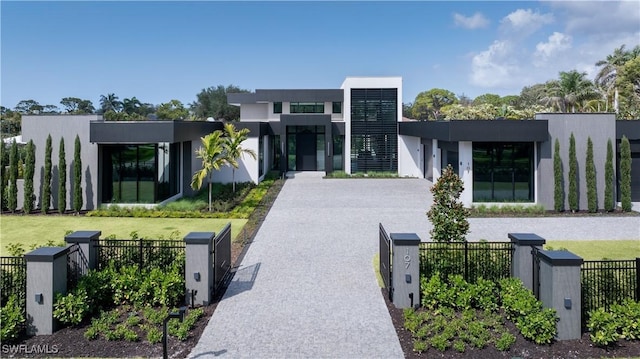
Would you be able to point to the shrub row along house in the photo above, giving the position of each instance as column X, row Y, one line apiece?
column 355, row 128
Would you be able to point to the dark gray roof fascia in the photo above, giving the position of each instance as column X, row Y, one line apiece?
column 302, row 95
column 478, row 130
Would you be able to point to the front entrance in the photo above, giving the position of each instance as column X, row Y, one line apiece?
column 306, row 151
column 305, row 148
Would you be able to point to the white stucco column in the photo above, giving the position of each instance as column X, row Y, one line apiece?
column 437, row 166
column 409, row 155
column 465, row 156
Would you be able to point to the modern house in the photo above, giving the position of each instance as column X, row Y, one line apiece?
column 355, row 128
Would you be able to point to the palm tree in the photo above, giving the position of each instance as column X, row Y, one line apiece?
column 571, row 90
column 606, row 77
column 234, row 139
column 213, row 156
column 110, row 102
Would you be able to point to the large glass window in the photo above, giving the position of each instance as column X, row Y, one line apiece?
column 306, row 107
column 146, row 173
column 374, row 130
column 338, row 152
column 503, row 172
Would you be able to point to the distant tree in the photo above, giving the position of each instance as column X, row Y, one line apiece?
column 625, row 174
column 609, row 70
column 488, row 98
column 62, row 178
column 406, row 110
column 447, row 214
column 628, row 82
column 570, row 92
column 50, row 109
column 212, row 102
column 77, row 106
column 609, row 203
column 46, row 184
column 464, row 100
column 110, row 102
column 558, row 176
column 573, row 175
column 3, row 175
column 234, row 149
column 10, row 123
column 532, row 95
column 12, row 198
column 77, row 177
column 172, row 110
column 28, row 107
column 428, row 104
column 590, row 170
column 213, row 156
column 511, row 100
column 29, row 171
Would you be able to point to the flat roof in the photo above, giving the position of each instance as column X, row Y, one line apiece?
column 301, row 95
column 477, row 130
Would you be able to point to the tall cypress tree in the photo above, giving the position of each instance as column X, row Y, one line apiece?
column 609, row 203
column 46, row 185
column 77, row 177
column 625, row 174
column 29, row 171
column 573, row 175
column 590, row 170
column 62, row 178
column 4, row 161
column 12, row 198
column 558, row 177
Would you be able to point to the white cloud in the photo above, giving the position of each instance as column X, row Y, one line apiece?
column 525, row 21
column 556, row 45
column 476, row 21
column 495, row 67
column 600, row 17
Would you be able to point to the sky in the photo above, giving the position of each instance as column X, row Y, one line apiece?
column 158, row 51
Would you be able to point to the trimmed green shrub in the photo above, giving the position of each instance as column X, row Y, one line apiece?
column 609, row 203
column 12, row 197
column 12, row 319
column 573, row 175
column 4, row 162
column 602, row 327
column 29, row 171
column 46, row 183
column 558, row 179
column 77, row 177
column 447, row 214
column 625, row 174
column 590, row 169
column 62, row 178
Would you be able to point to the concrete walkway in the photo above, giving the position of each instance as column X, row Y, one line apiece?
column 306, row 287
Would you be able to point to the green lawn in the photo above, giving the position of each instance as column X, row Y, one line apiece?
column 596, row 250
column 30, row 230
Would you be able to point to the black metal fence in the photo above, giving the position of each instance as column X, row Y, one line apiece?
column 145, row 253
column 385, row 258
column 77, row 266
column 221, row 256
column 13, row 281
column 472, row 260
column 607, row 282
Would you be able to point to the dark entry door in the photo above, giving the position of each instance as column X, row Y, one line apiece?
column 306, row 151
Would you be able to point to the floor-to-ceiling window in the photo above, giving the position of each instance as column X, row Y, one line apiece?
column 144, row 173
column 306, row 148
column 374, row 130
column 503, row 172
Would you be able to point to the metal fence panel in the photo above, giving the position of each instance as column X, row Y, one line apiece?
column 13, row 281
column 608, row 282
column 472, row 260
column 145, row 253
column 222, row 256
column 77, row 266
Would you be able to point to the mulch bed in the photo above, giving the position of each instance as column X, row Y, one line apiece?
column 522, row 348
column 70, row 342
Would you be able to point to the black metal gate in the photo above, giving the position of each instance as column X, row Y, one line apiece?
column 77, row 266
column 385, row 260
column 221, row 257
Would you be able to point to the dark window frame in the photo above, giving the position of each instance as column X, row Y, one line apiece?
column 336, row 107
column 277, row 107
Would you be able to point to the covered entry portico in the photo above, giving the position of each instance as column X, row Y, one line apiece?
column 306, row 142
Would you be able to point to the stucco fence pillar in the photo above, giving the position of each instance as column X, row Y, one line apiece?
column 46, row 277
column 522, row 263
column 198, row 271
column 88, row 241
column 406, row 269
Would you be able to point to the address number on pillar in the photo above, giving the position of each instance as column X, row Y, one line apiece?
column 407, row 259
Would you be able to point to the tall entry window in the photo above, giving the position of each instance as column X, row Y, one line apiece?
column 503, row 172
column 374, row 130
column 305, row 148
column 145, row 173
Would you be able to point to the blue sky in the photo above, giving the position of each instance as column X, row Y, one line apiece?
column 158, row 51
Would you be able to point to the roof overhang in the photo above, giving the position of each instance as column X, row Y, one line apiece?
column 304, row 95
column 116, row 132
column 478, row 130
